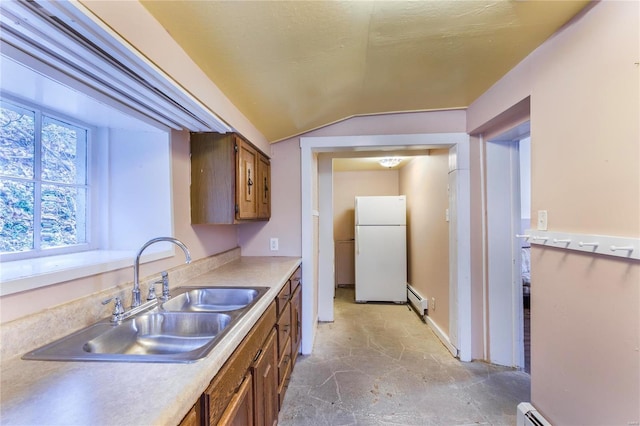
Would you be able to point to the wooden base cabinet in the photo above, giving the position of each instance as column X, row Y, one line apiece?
column 230, row 180
column 249, row 388
column 265, row 371
column 288, row 305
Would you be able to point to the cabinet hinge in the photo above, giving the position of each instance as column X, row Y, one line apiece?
column 235, row 147
column 237, row 209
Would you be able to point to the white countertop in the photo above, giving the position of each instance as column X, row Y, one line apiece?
column 109, row 393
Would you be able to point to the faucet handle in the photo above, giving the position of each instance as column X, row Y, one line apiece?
column 152, row 290
column 118, row 310
column 165, row 288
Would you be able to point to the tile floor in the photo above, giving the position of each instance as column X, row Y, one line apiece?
column 379, row 364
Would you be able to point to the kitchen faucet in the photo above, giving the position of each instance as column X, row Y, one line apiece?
column 135, row 301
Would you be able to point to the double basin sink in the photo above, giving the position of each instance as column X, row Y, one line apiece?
column 183, row 329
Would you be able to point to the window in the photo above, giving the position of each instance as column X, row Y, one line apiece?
column 61, row 68
column 86, row 182
column 43, row 182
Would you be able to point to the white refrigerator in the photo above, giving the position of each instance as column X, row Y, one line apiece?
column 381, row 249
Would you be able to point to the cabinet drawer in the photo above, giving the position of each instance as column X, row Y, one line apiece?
column 284, row 329
column 283, row 297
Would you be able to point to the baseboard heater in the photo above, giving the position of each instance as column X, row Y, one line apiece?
column 529, row 416
column 419, row 303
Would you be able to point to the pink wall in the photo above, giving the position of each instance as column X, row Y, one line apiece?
column 424, row 181
column 584, row 92
column 203, row 241
column 348, row 185
column 285, row 223
column 285, row 162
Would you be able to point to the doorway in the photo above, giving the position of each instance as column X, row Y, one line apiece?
column 317, row 303
column 508, row 201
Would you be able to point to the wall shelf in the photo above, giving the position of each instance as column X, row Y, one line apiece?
column 625, row 247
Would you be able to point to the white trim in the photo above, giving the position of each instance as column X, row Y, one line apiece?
column 504, row 283
column 92, row 224
column 625, row 247
column 309, row 320
column 442, row 336
column 483, row 221
column 311, row 145
column 23, row 275
column 326, row 276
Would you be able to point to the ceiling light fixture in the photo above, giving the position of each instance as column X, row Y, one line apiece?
column 389, row 162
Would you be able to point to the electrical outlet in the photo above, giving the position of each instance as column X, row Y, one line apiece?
column 433, row 303
column 542, row 220
column 273, row 244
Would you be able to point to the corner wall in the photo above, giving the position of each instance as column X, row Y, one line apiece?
column 585, row 108
column 424, row 181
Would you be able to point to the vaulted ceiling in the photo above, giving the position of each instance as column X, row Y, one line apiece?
column 292, row 66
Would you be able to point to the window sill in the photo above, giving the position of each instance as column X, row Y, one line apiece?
column 23, row 275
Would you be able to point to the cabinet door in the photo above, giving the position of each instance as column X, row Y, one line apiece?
column 265, row 376
column 296, row 323
column 264, row 194
column 239, row 412
column 213, row 178
column 246, row 178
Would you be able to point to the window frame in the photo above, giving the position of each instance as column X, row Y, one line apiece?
column 90, row 186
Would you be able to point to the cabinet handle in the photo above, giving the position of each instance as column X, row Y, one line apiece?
column 255, row 358
column 266, row 188
column 240, row 384
column 249, row 181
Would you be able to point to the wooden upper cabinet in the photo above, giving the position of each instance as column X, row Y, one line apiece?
column 247, row 181
column 230, row 180
column 264, row 187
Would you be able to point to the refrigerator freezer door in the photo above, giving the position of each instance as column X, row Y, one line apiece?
column 381, row 266
column 381, row 210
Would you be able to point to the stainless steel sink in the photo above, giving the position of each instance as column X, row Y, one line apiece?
column 213, row 299
column 184, row 332
column 160, row 333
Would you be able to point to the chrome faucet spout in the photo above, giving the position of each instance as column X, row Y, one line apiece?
column 135, row 301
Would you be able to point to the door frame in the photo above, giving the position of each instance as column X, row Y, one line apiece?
column 320, row 288
column 502, row 258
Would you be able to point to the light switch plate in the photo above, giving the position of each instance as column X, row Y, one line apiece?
column 542, row 220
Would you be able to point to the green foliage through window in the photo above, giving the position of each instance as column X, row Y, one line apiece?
column 43, row 181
